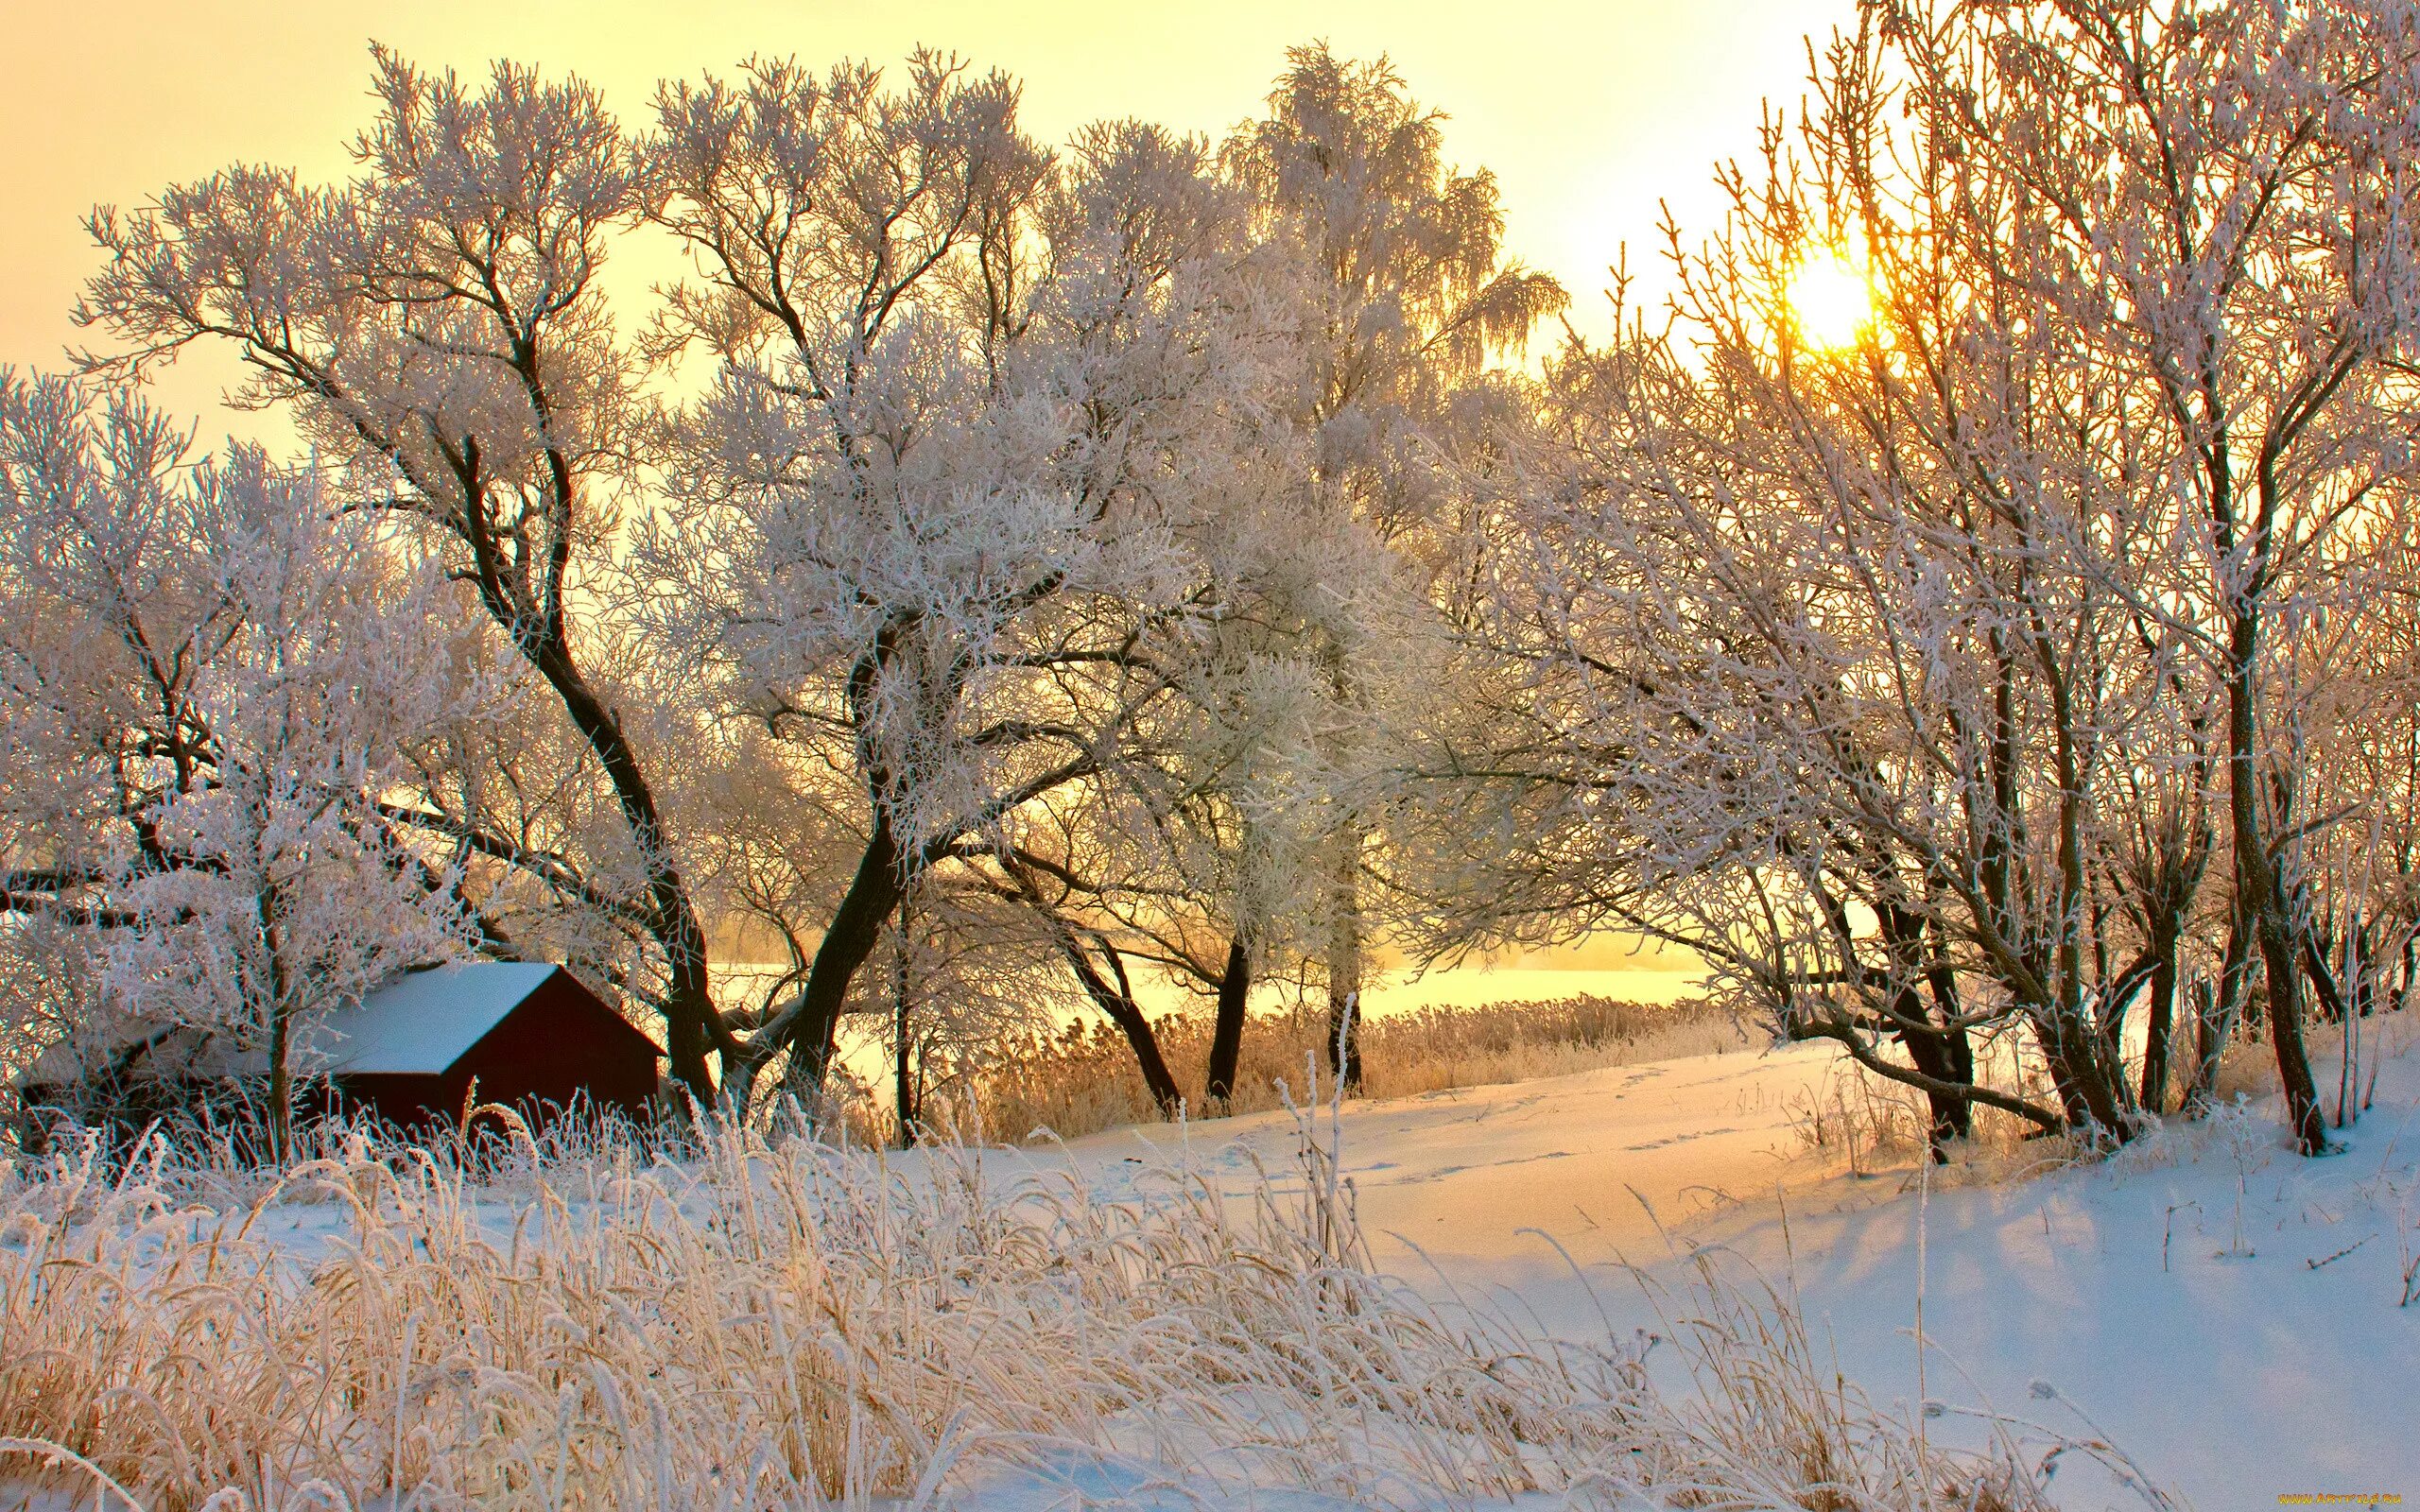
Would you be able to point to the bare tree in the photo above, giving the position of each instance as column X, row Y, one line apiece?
column 2225, row 189
column 1891, row 667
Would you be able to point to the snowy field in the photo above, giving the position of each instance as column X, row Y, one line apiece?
column 2233, row 1315
column 2230, row 1316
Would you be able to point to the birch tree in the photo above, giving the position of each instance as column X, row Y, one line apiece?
column 1407, row 294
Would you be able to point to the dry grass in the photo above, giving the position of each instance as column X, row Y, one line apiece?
column 1872, row 1125
column 773, row 1323
column 1083, row 1079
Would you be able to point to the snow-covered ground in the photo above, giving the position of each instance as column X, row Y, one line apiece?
column 2231, row 1315
column 1455, row 1176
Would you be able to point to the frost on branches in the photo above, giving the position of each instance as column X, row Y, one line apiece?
column 211, row 674
column 991, row 571
column 1958, row 676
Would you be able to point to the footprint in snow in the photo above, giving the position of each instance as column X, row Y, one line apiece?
column 1678, row 1139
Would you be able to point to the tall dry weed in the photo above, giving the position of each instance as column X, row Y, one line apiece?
column 771, row 1322
column 1083, row 1079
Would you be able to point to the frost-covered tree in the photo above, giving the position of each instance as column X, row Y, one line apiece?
column 2229, row 190
column 1405, row 297
column 210, row 677
column 1897, row 672
column 2354, row 742
column 972, row 409
column 437, row 324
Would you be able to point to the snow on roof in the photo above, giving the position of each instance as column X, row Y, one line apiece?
column 423, row 1021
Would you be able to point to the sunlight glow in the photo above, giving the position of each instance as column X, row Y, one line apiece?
column 1831, row 301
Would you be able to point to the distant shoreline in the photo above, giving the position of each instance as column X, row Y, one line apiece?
column 1460, row 987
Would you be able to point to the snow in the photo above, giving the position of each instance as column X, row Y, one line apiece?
column 2225, row 1312
column 143, row 1043
column 1454, row 1177
column 2106, row 1299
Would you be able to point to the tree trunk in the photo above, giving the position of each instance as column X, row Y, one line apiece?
column 1957, row 1050
column 1227, row 1031
column 2323, row 984
column 689, row 1016
column 1116, row 1000
column 813, row 1030
column 1344, row 965
column 2219, row 1009
column 2090, row 1088
column 269, row 907
column 281, row 1090
column 2071, row 1101
column 1344, row 919
column 1952, row 1113
column 2274, row 931
column 1344, row 1039
column 1929, row 1050
column 903, row 1081
column 2257, row 882
column 2286, row 1027
column 2195, row 1100
column 2159, row 1030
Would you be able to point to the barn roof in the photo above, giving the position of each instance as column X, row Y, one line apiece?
column 424, row 1021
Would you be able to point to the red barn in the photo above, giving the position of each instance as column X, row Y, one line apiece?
column 530, row 1035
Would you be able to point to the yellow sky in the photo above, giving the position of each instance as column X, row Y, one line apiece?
column 1589, row 114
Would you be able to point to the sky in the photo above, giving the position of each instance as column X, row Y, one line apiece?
column 1590, row 114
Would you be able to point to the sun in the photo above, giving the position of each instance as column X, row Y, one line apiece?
column 1831, row 301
